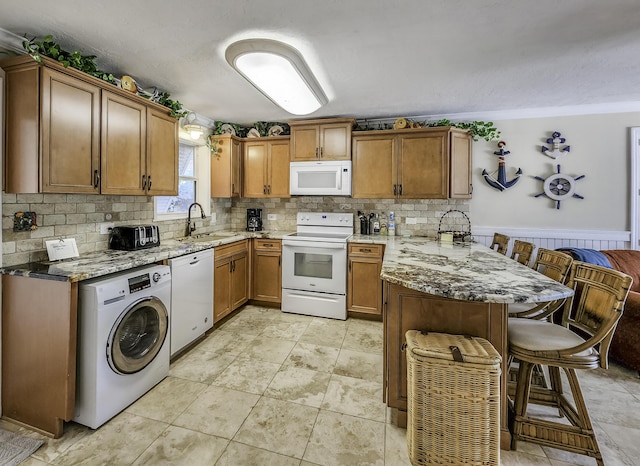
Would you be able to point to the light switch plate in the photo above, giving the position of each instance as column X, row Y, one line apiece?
column 213, row 218
column 411, row 220
column 272, row 216
column 105, row 228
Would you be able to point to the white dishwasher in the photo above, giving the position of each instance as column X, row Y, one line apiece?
column 191, row 298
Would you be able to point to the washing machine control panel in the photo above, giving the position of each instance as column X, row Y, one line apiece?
column 156, row 277
column 141, row 282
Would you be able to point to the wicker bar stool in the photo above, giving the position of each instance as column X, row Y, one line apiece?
column 500, row 243
column 555, row 265
column 599, row 299
column 522, row 251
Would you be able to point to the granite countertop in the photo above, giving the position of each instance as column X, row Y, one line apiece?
column 99, row 263
column 469, row 271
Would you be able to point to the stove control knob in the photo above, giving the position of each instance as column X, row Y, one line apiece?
column 156, row 277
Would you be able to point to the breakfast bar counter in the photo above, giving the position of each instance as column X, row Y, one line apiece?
column 452, row 288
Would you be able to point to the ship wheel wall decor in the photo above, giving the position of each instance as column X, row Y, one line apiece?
column 556, row 151
column 500, row 181
column 559, row 187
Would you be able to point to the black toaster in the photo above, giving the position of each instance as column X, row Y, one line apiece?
column 130, row 238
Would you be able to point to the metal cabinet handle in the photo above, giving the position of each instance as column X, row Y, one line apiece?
column 267, row 245
column 268, row 189
column 400, row 190
column 96, row 178
column 365, row 249
column 321, row 152
column 470, row 188
column 316, row 152
column 144, row 182
column 149, row 187
column 395, row 189
column 264, row 189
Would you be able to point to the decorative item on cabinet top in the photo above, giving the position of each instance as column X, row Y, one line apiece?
column 501, row 182
column 478, row 129
column 258, row 129
column 86, row 63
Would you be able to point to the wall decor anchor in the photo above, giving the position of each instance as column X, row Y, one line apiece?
column 556, row 151
column 501, row 182
column 559, row 187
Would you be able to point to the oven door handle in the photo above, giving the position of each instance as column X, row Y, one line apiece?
column 314, row 244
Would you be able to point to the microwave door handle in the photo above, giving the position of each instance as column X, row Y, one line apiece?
column 339, row 174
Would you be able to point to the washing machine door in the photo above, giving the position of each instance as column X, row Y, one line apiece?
column 137, row 336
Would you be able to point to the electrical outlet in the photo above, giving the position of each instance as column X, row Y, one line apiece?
column 213, row 218
column 272, row 216
column 411, row 220
column 105, row 228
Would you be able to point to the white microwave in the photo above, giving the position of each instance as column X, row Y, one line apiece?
column 325, row 178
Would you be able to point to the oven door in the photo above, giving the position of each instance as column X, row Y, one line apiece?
column 314, row 266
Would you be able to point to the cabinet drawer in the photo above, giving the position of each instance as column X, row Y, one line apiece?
column 230, row 249
column 267, row 244
column 365, row 249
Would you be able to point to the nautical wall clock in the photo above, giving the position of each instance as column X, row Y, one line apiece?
column 559, row 187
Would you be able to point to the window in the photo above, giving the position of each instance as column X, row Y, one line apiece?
column 193, row 184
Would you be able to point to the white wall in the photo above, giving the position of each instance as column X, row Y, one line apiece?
column 599, row 150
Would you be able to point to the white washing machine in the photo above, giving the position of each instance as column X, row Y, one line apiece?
column 123, row 340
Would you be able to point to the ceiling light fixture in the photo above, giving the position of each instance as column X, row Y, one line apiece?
column 279, row 72
column 191, row 126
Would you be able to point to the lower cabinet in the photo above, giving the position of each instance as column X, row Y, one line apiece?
column 364, row 287
column 230, row 278
column 267, row 270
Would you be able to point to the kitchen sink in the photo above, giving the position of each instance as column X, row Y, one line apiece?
column 204, row 238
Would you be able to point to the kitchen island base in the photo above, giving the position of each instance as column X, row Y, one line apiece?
column 407, row 309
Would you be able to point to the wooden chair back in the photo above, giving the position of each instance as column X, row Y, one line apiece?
column 500, row 243
column 522, row 251
column 596, row 307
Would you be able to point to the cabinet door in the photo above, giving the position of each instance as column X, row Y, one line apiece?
column 70, row 134
column 374, row 166
column 162, row 154
column 124, row 124
column 236, row 168
column 364, row 287
column 255, row 167
column 267, row 276
column 225, row 167
column 221, row 288
column 335, row 141
column 239, row 280
column 423, row 165
column 460, row 177
column 304, row 143
column 278, row 169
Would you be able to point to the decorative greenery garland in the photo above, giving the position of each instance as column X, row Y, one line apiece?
column 87, row 64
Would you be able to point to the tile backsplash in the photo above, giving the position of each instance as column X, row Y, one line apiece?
column 79, row 216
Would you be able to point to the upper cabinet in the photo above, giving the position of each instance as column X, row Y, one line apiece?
column 431, row 163
column 226, row 172
column 326, row 139
column 68, row 132
column 266, row 167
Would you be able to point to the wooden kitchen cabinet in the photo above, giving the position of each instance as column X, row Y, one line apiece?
column 39, row 322
column 52, row 129
column 427, row 163
column 68, row 132
column 325, row 139
column 364, row 286
column 139, row 148
column 266, row 167
column 230, row 278
column 267, row 270
column 226, row 169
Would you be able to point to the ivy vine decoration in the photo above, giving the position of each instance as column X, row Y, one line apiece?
column 478, row 129
column 212, row 144
column 87, row 64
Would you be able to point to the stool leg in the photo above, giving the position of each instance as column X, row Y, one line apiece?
column 523, row 389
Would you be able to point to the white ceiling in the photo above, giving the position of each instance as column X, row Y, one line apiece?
column 374, row 58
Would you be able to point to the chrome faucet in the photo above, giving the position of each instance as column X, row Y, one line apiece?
column 192, row 227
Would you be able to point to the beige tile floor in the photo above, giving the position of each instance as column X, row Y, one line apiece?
column 269, row 388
